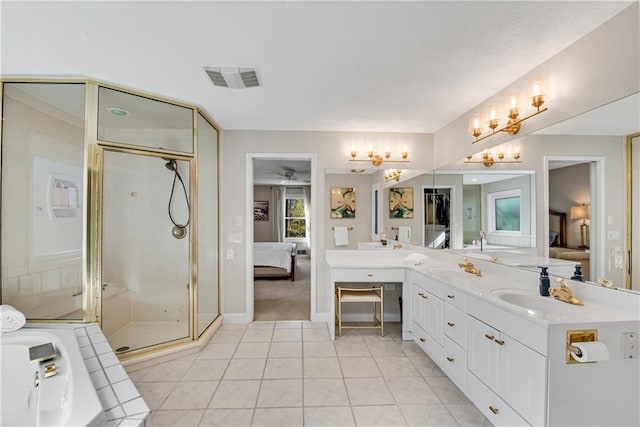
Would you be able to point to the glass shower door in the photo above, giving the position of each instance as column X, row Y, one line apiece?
column 145, row 263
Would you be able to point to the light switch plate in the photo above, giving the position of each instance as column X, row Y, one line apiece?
column 630, row 345
column 389, row 286
column 235, row 238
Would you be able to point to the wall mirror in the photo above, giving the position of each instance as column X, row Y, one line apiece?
column 582, row 162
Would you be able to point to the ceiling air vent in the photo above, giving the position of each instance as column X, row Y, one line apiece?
column 235, row 78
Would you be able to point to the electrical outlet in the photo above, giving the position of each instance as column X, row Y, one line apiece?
column 613, row 235
column 235, row 238
column 229, row 253
column 618, row 258
column 630, row 345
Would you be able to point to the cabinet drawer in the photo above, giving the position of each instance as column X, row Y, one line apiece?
column 428, row 344
column 454, row 363
column 427, row 283
column 455, row 297
column 494, row 408
column 368, row 275
column 455, row 325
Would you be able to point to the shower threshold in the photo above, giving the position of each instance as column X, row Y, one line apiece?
column 138, row 335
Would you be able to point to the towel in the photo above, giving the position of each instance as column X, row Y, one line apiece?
column 415, row 259
column 12, row 319
column 404, row 234
column 341, row 236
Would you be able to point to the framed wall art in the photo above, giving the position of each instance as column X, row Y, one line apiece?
column 343, row 202
column 401, row 202
column 261, row 210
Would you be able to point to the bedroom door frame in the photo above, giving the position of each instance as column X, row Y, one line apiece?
column 597, row 257
column 249, row 225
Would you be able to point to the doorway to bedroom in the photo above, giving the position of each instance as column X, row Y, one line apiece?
column 281, row 239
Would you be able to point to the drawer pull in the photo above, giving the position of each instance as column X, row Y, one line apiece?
column 422, row 340
column 450, row 359
column 451, row 325
column 500, row 342
column 489, row 337
column 451, row 296
column 494, row 410
column 369, row 275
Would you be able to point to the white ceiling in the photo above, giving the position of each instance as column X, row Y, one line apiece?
column 342, row 66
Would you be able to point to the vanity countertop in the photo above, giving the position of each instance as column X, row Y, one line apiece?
column 500, row 284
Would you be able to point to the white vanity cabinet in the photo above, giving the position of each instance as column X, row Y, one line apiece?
column 455, row 335
column 427, row 311
column 514, row 374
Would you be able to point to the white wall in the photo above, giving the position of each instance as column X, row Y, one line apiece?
column 332, row 151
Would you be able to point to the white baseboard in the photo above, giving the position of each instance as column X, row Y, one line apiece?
column 236, row 318
column 320, row 317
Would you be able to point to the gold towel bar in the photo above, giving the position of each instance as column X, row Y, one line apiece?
column 348, row 228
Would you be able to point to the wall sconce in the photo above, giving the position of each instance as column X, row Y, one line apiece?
column 377, row 159
column 392, row 174
column 488, row 160
column 582, row 212
column 537, row 93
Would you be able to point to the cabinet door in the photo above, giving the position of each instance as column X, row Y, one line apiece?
column 522, row 380
column 433, row 316
column 418, row 297
column 482, row 351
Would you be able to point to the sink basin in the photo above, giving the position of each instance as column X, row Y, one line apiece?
column 532, row 302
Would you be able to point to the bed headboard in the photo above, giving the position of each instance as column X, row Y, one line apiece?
column 557, row 228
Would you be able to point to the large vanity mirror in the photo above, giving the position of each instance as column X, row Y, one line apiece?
column 580, row 174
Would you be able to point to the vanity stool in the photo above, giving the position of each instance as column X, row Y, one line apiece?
column 373, row 295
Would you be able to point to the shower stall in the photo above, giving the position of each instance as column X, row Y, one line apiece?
column 109, row 211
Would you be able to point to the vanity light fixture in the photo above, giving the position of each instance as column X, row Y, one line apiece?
column 377, row 159
column 537, row 94
column 392, row 174
column 488, row 160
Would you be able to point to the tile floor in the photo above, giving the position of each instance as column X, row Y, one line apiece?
column 291, row 374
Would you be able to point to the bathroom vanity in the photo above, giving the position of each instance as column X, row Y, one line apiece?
column 504, row 345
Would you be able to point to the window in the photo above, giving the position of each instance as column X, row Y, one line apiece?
column 505, row 211
column 295, row 223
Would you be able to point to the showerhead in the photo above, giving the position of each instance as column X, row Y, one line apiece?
column 171, row 165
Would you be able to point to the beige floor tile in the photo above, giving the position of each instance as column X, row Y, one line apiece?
column 206, row 370
column 138, row 375
column 280, row 335
column 280, row 394
column 172, row 370
column 322, row 367
column 252, row 350
column 318, row 349
column 349, row 335
column 467, row 415
column 283, row 368
column 257, row 335
column 352, row 349
column 226, row 418
column 245, row 369
column 382, row 415
column 427, row 415
column 408, row 391
column 314, row 325
column 315, row 335
column 328, row 416
column 235, row 394
column 282, row 417
column 289, row 324
column 230, row 336
column 426, row 367
column 218, row 351
column 261, row 325
column 384, row 349
column 325, row 392
column 446, row 390
column 285, row 349
column 411, row 349
column 190, row 395
column 359, row 367
column 368, row 391
column 392, row 367
column 154, row 394
column 183, row 418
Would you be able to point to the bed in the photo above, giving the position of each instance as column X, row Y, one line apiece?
column 274, row 260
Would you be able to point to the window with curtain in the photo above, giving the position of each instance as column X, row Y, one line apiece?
column 295, row 223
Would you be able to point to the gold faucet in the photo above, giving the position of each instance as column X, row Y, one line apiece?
column 564, row 294
column 397, row 246
column 469, row 268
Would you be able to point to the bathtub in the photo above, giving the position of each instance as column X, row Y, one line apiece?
column 65, row 399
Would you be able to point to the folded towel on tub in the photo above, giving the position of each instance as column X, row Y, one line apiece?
column 12, row 319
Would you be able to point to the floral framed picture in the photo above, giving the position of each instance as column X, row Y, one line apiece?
column 343, row 202
column 261, row 210
column 401, row 202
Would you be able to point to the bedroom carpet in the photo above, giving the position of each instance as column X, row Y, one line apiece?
column 284, row 299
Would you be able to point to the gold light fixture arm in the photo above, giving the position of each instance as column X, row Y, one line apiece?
column 512, row 127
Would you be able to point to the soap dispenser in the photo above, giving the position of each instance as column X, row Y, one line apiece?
column 577, row 275
column 544, row 282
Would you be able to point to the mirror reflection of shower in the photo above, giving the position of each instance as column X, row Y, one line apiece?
column 179, row 231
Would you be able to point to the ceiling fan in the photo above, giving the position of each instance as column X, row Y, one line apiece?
column 289, row 175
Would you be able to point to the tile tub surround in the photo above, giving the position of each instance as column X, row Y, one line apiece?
column 359, row 379
column 121, row 401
